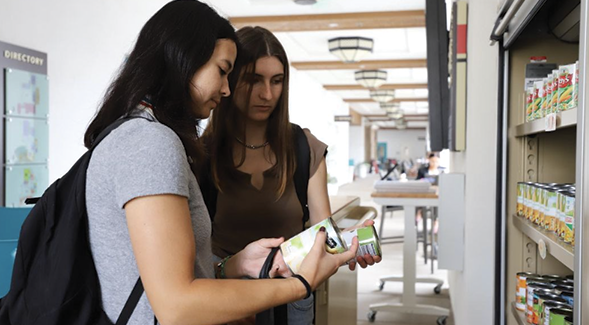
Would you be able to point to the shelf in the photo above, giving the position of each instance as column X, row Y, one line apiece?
column 554, row 246
column 563, row 120
column 520, row 316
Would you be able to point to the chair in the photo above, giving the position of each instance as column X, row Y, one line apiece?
column 11, row 220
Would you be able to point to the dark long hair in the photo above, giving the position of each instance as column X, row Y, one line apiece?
column 178, row 40
column 228, row 122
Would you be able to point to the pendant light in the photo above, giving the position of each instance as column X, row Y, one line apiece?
column 371, row 78
column 351, row 49
column 382, row 95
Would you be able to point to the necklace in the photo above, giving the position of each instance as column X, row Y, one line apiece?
column 251, row 146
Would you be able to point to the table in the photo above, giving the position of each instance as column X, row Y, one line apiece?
column 408, row 305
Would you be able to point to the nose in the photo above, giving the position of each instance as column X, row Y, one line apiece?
column 225, row 91
column 266, row 92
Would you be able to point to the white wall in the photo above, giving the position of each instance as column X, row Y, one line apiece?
column 356, row 143
column 85, row 41
column 312, row 107
column 472, row 291
column 398, row 140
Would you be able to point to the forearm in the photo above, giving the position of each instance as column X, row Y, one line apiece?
column 207, row 301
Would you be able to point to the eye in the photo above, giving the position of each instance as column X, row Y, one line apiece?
column 277, row 81
column 222, row 72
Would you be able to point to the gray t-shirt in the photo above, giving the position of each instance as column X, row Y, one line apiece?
column 139, row 158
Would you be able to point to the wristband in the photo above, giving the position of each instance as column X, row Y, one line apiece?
column 307, row 285
column 221, row 267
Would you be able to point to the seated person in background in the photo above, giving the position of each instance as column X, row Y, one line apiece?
column 431, row 169
column 430, row 173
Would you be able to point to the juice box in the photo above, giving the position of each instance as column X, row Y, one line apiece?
column 576, row 91
column 566, row 87
column 538, row 98
column 545, row 97
column 554, row 98
column 548, row 102
column 529, row 104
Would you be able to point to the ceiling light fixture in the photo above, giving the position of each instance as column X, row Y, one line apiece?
column 305, row 2
column 382, row 95
column 351, row 49
column 390, row 107
column 371, row 78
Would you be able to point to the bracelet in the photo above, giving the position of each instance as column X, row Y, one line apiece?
column 307, row 285
column 221, row 267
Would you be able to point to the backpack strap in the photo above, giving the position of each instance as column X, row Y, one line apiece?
column 277, row 315
column 131, row 303
column 301, row 175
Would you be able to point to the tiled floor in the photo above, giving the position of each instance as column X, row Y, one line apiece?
column 392, row 264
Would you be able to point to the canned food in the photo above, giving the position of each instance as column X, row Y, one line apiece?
column 296, row 248
column 548, row 306
column 539, row 299
column 520, row 199
column 520, row 288
column 550, row 212
column 530, row 201
column 532, row 288
column 367, row 239
column 553, row 277
column 536, row 203
column 568, row 320
column 560, row 288
column 569, row 218
column 557, row 315
column 569, row 297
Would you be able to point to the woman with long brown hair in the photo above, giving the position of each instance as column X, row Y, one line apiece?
column 249, row 188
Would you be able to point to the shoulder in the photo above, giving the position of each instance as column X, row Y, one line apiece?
column 141, row 135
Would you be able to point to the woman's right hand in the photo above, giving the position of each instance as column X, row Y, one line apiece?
column 319, row 265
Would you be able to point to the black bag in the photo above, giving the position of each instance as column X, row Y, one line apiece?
column 54, row 280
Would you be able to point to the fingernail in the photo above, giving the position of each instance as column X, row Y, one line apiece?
column 322, row 229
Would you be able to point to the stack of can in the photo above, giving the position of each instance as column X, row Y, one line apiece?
column 549, row 206
column 546, row 299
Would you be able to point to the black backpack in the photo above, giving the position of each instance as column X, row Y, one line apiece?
column 54, row 280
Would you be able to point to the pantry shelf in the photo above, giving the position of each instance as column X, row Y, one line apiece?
column 520, row 316
column 563, row 120
column 554, row 246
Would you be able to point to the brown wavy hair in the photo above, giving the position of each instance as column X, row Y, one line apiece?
column 228, row 121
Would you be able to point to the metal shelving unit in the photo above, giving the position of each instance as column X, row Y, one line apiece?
column 563, row 120
column 533, row 154
column 554, row 246
column 520, row 316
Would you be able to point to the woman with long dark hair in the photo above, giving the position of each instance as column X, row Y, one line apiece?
column 252, row 151
column 146, row 214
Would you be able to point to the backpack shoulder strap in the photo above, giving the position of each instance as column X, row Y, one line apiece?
column 301, row 175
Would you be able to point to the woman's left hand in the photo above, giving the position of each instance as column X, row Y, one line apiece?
column 249, row 261
column 365, row 259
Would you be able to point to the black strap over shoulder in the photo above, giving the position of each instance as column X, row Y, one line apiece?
column 301, row 175
column 277, row 315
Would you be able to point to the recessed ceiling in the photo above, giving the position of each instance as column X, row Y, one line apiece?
column 312, row 46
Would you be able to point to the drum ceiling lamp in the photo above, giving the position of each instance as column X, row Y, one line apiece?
column 390, row 107
column 382, row 95
column 305, row 2
column 401, row 124
column 371, row 78
column 351, row 49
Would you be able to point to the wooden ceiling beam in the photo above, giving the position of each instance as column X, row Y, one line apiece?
column 385, row 86
column 359, row 20
column 396, row 100
column 362, row 65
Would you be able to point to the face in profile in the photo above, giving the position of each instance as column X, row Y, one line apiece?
column 266, row 85
column 434, row 162
column 209, row 84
